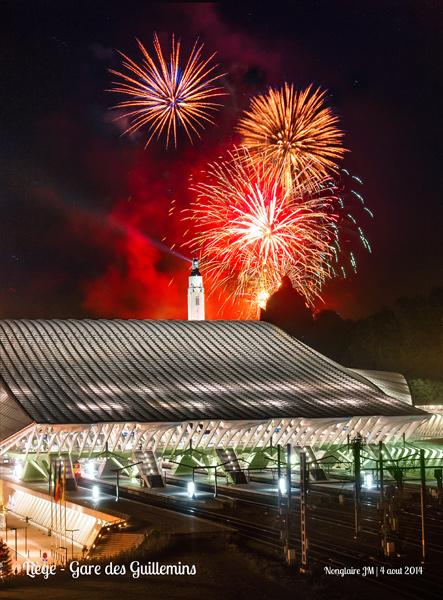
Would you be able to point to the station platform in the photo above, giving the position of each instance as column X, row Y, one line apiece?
column 28, row 542
column 34, row 543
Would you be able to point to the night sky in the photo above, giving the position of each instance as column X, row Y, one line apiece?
column 82, row 207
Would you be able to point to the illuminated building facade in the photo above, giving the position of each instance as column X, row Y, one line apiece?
column 80, row 387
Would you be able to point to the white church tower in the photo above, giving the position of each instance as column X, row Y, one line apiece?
column 196, row 294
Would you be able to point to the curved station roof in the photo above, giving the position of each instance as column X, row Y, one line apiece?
column 89, row 371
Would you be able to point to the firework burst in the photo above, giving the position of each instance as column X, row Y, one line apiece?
column 165, row 95
column 251, row 231
column 295, row 133
column 351, row 211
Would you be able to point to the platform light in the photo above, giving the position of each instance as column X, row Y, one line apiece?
column 282, row 486
column 90, row 470
column 95, row 492
column 191, row 489
column 369, row 481
column 18, row 470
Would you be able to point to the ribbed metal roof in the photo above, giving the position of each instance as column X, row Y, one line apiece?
column 392, row 384
column 155, row 371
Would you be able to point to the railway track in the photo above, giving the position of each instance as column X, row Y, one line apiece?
column 326, row 549
column 410, row 523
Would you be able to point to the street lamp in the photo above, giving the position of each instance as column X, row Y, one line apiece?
column 18, row 470
column 95, row 492
column 215, row 481
column 27, row 519
column 279, row 477
column 14, row 529
column 117, row 487
column 191, row 485
column 282, row 486
column 191, row 489
column 72, row 541
column 90, row 469
column 369, row 481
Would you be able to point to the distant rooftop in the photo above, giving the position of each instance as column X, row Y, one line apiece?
column 393, row 384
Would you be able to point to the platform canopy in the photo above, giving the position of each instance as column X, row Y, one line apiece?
column 92, row 371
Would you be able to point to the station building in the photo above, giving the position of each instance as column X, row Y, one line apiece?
column 161, row 389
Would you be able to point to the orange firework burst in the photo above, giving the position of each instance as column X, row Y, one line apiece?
column 251, row 231
column 166, row 95
column 294, row 132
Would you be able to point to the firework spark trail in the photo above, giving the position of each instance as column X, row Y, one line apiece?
column 295, row 133
column 164, row 95
column 252, row 231
column 350, row 208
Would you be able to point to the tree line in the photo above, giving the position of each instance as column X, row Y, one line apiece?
column 406, row 338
